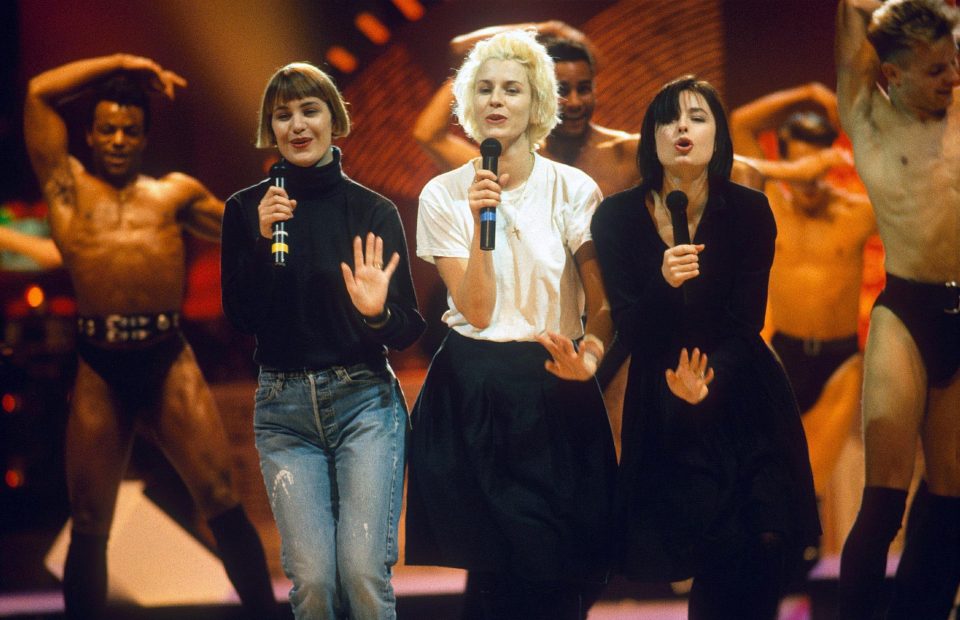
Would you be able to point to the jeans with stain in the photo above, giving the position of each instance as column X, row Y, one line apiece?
column 331, row 446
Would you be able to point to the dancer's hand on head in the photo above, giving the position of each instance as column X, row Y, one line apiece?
column 162, row 80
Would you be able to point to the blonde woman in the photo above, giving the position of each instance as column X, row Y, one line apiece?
column 511, row 459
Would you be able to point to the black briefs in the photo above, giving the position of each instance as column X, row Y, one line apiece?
column 931, row 313
column 809, row 363
column 135, row 365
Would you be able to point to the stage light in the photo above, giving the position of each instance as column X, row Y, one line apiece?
column 372, row 27
column 342, row 59
column 34, row 296
column 13, row 478
column 411, row 9
column 8, row 402
column 63, row 306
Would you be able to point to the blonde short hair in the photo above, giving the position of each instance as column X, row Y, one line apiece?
column 522, row 47
column 899, row 25
column 299, row 80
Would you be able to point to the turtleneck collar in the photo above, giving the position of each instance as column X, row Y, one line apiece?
column 315, row 180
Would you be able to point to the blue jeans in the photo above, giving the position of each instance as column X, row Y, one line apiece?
column 331, row 447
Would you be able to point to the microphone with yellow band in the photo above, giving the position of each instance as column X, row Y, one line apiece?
column 280, row 247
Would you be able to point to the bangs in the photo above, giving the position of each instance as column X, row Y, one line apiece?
column 290, row 86
column 665, row 108
column 300, row 80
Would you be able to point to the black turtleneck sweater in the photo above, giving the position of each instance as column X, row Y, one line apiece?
column 301, row 314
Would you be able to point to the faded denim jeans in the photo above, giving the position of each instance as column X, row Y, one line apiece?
column 331, row 447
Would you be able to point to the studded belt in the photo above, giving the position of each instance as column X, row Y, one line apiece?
column 118, row 328
column 944, row 296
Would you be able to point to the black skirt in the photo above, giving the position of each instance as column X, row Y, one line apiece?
column 696, row 481
column 510, row 468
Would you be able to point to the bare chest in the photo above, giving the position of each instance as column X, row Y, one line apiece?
column 137, row 218
column 825, row 239
column 612, row 172
column 912, row 169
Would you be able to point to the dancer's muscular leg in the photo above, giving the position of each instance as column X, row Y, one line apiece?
column 190, row 431
column 98, row 446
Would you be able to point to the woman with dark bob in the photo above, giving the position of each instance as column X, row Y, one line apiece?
column 329, row 418
column 715, row 479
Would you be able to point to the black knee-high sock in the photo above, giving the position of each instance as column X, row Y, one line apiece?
column 242, row 554
column 864, row 559
column 85, row 577
column 929, row 571
column 918, row 509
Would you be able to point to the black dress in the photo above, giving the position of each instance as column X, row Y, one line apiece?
column 694, row 479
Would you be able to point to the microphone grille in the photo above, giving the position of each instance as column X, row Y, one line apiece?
column 490, row 148
column 676, row 200
column 279, row 169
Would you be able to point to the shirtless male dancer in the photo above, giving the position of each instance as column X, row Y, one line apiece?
column 121, row 237
column 814, row 300
column 906, row 142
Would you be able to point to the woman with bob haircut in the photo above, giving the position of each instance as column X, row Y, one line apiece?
column 511, row 457
column 715, row 479
column 329, row 417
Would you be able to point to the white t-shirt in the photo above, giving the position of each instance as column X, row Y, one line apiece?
column 540, row 226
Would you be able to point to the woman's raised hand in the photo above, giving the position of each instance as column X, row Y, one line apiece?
column 691, row 378
column 369, row 279
column 567, row 363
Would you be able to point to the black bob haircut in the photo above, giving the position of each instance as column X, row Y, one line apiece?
column 664, row 109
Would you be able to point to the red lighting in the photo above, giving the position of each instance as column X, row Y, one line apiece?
column 13, row 478
column 16, row 308
column 342, row 59
column 411, row 9
column 9, row 403
column 63, row 306
column 372, row 27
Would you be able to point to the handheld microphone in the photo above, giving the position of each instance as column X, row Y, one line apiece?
column 279, row 246
column 677, row 206
column 490, row 151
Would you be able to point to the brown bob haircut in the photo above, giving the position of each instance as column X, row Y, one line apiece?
column 299, row 80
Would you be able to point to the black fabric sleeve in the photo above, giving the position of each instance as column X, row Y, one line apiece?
column 405, row 324
column 646, row 309
column 746, row 305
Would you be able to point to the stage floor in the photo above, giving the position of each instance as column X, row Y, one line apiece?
column 28, row 591
column 422, row 594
